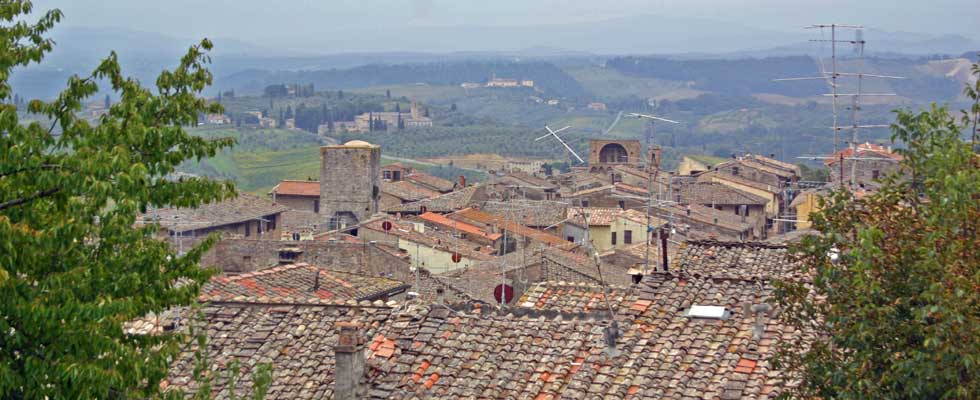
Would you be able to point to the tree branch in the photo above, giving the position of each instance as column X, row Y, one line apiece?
column 40, row 167
column 35, row 196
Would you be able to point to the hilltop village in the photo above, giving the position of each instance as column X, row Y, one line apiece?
column 616, row 279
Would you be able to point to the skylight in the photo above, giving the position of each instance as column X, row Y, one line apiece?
column 708, row 312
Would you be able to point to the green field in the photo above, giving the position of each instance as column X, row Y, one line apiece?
column 609, row 83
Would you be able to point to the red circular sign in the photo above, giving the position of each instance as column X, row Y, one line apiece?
column 503, row 290
column 386, row 225
column 423, row 209
column 457, row 257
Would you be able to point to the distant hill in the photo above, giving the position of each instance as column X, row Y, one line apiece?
column 547, row 77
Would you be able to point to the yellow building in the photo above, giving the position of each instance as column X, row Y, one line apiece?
column 629, row 228
column 805, row 204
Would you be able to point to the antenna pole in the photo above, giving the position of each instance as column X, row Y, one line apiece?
column 833, row 80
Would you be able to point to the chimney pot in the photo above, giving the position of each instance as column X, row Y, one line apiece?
column 349, row 368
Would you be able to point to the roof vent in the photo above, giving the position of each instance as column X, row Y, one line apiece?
column 707, row 312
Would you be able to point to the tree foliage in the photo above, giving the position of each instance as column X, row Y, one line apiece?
column 894, row 307
column 73, row 269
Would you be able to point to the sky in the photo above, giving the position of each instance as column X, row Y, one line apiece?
column 293, row 23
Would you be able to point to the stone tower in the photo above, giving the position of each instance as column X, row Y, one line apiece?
column 654, row 154
column 349, row 183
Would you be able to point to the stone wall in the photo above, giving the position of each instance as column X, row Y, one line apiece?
column 244, row 255
column 298, row 203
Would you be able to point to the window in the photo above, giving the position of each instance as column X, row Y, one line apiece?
column 248, row 229
column 627, row 237
column 272, row 223
column 875, row 174
column 614, row 238
column 396, row 175
column 386, row 174
column 735, row 171
column 570, row 238
column 316, row 206
column 258, row 227
column 585, row 203
column 622, row 204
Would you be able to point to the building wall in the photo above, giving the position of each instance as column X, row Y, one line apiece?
column 243, row 255
column 349, row 183
column 575, row 232
column 601, row 237
column 434, row 260
column 621, row 225
column 297, row 203
column 810, row 205
column 752, row 174
column 772, row 206
column 865, row 171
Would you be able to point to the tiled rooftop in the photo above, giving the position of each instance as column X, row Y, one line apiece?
column 244, row 207
column 736, row 260
column 454, row 225
column 439, row 239
column 294, row 284
column 537, row 213
column 407, row 191
column 716, row 193
column 597, row 216
column 550, row 346
column 482, row 217
column 865, row 149
column 572, row 297
column 431, row 181
column 448, row 202
column 297, row 188
column 297, row 341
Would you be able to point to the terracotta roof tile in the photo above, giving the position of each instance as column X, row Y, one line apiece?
column 457, row 225
column 294, row 283
column 297, row 188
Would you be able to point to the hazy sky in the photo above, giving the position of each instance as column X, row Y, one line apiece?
column 280, row 23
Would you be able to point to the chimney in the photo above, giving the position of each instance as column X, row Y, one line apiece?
column 609, row 336
column 462, row 181
column 349, row 369
column 316, row 281
column 761, row 311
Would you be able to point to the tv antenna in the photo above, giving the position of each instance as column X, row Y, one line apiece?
column 652, row 171
column 832, row 77
column 555, row 134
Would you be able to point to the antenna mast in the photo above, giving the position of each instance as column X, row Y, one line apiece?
column 832, row 78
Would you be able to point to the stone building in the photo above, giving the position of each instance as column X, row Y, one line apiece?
column 349, row 182
column 297, row 195
column 611, row 152
column 245, row 216
column 871, row 163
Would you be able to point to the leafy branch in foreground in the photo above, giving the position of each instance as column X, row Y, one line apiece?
column 893, row 311
column 73, row 269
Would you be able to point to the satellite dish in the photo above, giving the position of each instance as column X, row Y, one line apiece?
column 503, row 292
